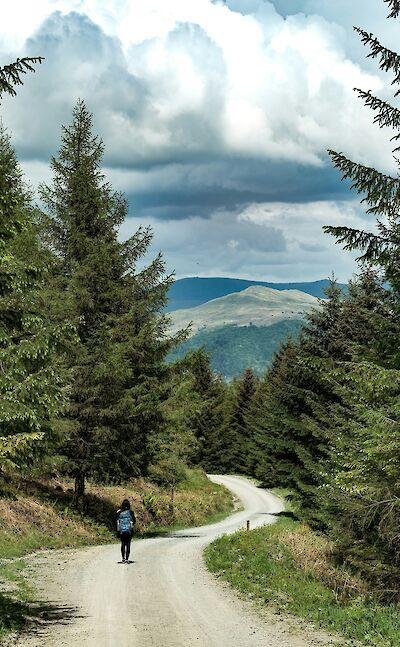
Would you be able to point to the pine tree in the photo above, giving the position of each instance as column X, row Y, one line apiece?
column 208, row 425
column 271, row 457
column 292, row 449
column 296, row 413
column 360, row 497
column 119, row 378
column 365, row 474
column 11, row 74
column 174, row 445
column 381, row 191
column 81, row 227
column 31, row 389
column 144, row 335
column 236, row 432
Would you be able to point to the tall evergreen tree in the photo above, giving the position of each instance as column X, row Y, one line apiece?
column 291, row 419
column 237, row 437
column 174, row 445
column 367, row 473
column 31, row 389
column 117, row 368
column 208, row 424
column 381, row 191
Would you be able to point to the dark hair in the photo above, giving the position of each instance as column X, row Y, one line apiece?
column 125, row 505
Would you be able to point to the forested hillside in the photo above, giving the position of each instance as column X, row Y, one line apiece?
column 242, row 330
column 232, row 349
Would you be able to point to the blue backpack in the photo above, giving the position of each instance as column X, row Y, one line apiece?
column 125, row 521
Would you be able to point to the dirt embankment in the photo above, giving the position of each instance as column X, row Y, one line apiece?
column 40, row 514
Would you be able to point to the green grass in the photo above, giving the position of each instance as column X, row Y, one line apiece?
column 16, row 609
column 260, row 564
column 12, row 546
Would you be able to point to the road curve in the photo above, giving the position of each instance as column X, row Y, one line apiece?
column 166, row 598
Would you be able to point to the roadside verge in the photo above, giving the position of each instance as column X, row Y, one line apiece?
column 290, row 569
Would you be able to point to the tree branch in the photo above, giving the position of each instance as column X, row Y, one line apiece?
column 11, row 75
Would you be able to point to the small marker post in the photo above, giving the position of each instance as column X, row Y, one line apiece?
column 248, row 524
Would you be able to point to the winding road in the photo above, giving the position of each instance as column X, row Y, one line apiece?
column 166, row 598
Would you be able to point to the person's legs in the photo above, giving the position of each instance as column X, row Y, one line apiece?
column 128, row 546
column 125, row 538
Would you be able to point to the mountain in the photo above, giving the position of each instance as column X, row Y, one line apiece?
column 234, row 348
column 256, row 305
column 192, row 292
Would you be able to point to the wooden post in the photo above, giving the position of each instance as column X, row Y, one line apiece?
column 248, row 524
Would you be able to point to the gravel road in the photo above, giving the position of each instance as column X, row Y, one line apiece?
column 165, row 598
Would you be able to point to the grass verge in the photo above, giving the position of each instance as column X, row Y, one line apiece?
column 288, row 567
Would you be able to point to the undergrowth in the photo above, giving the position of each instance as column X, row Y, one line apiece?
column 290, row 567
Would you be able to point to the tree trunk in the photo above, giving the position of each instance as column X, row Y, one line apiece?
column 171, row 504
column 79, row 493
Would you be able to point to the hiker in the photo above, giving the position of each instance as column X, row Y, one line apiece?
column 125, row 523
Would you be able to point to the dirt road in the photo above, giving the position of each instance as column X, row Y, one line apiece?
column 166, row 598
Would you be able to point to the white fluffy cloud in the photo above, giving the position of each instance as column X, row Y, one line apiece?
column 199, row 77
column 208, row 110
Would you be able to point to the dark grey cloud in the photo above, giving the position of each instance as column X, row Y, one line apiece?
column 188, row 96
column 81, row 61
column 231, row 185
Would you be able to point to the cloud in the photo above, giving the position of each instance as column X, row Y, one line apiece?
column 182, row 190
column 271, row 241
column 216, row 118
column 371, row 16
column 81, row 61
column 197, row 79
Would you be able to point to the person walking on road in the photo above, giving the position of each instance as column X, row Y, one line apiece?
column 125, row 523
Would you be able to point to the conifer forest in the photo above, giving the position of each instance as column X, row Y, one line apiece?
column 86, row 390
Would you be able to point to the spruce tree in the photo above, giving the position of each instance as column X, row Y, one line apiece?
column 236, row 432
column 145, row 339
column 208, row 424
column 366, row 475
column 119, row 379
column 381, row 191
column 31, row 389
column 174, row 445
column 291, row 420
column 81, row 227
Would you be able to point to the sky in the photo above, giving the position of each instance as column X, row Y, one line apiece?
column 216, row 118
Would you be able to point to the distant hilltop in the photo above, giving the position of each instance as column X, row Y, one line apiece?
column 194, row 291
column 256, row 305
column 240, row 323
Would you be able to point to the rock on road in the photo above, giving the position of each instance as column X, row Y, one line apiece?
column 166, row 598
